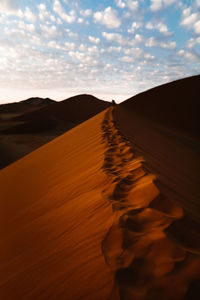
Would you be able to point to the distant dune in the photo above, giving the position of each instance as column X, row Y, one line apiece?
column 22, row 107
column 22, row 133
column 110, row 209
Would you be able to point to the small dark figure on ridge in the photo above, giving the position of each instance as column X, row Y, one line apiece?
column 113, row 102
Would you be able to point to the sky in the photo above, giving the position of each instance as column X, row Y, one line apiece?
column 111, row 49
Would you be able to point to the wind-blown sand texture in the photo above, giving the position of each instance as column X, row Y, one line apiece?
column 109, row 210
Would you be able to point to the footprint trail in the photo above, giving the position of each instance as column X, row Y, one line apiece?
column 146, row 262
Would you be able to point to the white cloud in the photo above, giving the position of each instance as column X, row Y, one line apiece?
column 108, row 17
column 86, row 12
column 156, row 5
column 161, row 27
column 80, row 20
column 149, row 25
column 114, row 49
column 190, row 55
column 54, row 45
column 69, row 46
column 71, row 34
column 9, row 7
column 26, row 27
column 192, row 42
column 169, row 2
column 134, row 26
column 43, row 13
column 127, row 59
column 197, row 27
column 198, row 2
column 83, row 48
column 69, row 18
column 189, row 19
column 152, row 42
column 113, row 37
column 132, row 5
column 28, row 14
column 169, row 45
column 50, row 32
column 94, row 40
column 120, row 3
column 159, row 4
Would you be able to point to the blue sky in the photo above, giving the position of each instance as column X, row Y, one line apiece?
column 111, row 49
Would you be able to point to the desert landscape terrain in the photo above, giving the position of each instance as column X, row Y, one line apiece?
column 108, row 209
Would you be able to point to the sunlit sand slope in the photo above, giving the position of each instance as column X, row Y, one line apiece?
column 53, row 219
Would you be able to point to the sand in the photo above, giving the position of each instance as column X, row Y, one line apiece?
column 34, row 127
column 109, row 210
column 54, row 218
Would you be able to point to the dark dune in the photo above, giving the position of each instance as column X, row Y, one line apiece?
column 44, row 124
column 25, row 106
column 162, row 124
column 175, row 105
column 60, row 116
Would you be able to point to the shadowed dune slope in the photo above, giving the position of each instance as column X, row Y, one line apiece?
column 162, row 125
column 53, row 219
column 25, row 106
column 20, row 136
column 175, row 105
column 60, row 116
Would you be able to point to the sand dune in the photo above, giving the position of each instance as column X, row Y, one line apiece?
column 53, row 219
column 18, row 108
column 109, row 210
column 22, row 134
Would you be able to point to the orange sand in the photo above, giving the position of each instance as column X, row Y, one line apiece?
column 53, row 219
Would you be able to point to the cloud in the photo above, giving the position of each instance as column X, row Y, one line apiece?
column 28, row 14
column 153, row 42
column 120, row 3
column 94, row 40
column 188, row 18
column 9, row 6
column 54, row 45
column 193, row 56
column 69, row 46
column 86, row 12
column 133, row 27
column 160, row 26
column 108, row 18
column 192, row 42
column 114, row 37
column 197, row 27
column 159, row 4
column 50, row 32
column 71, row 34
column 114, row 49
column 69, row 18
column 43, row 13
column 132, row 5
column 156, row 5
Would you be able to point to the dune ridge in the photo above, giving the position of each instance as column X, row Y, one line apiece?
column 147, row 262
